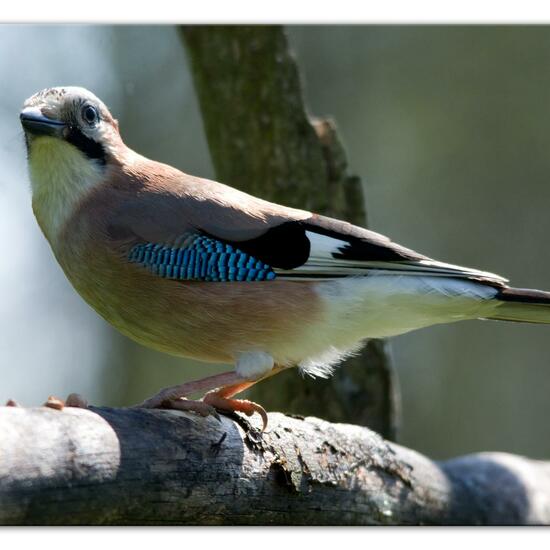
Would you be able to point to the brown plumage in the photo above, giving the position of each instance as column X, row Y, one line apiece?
column 160, row 313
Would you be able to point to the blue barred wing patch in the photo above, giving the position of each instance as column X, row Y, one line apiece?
column 200, row 258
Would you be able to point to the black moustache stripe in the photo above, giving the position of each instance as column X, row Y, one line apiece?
column 92, row 149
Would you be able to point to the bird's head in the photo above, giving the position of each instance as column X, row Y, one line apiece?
column 72, row 141
column 70, row 116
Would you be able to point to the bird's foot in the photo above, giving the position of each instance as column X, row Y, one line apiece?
column 73, row 400
column 221, row 403
column 184, row 404
column 174, row 393
column 220, row 388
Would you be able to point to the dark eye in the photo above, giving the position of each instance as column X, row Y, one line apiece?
column 90, row 114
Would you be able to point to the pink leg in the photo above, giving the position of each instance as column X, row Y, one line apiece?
column 220, row 388
column 183, row 390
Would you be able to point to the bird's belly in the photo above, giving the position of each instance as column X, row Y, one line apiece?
column 292, row 321
column 209, row 321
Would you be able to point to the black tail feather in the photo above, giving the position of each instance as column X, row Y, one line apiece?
column 523, row 305
column 524, row 296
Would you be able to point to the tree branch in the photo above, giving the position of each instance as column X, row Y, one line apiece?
column 132, row 466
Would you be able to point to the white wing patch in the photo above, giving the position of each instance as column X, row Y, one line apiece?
column 322, row 265
column 323, row 246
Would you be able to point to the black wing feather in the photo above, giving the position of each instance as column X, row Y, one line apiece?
column 287, row 246
column 324, row 248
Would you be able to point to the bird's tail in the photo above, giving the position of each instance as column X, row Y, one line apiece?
column 522, row 305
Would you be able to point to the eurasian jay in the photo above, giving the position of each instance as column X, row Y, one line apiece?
column 198, row 269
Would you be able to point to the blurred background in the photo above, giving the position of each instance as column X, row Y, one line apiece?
column 449, row 129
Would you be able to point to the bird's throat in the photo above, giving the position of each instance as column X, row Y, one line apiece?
column 60, row 176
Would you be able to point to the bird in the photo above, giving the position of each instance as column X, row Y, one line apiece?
column 195, row 268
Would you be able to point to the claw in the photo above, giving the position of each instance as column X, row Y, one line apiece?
column 261, row 411
column 241, row 405
column 54, row 403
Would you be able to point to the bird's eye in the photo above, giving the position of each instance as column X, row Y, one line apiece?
column 90, row 114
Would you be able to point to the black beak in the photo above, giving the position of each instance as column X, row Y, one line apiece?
column 34, row 122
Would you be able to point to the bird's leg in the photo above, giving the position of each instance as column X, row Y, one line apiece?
column 231, row 383
column 163, row 398
column 220, row 388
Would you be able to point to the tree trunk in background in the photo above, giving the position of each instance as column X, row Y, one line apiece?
column 263, row 142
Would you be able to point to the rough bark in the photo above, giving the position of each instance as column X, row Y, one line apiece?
column 263, row 142
column 131, row 466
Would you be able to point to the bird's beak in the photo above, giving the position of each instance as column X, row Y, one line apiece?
column 36, row 123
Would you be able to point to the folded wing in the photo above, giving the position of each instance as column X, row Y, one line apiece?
column 268, row 240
